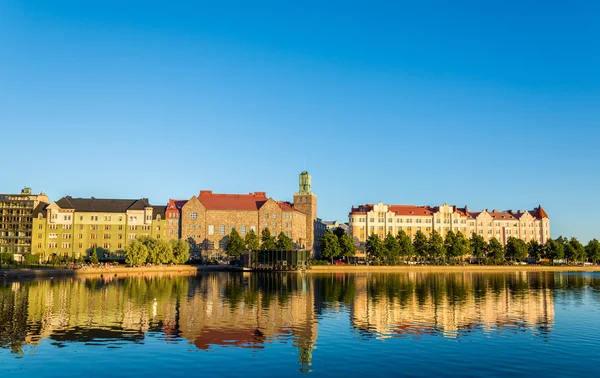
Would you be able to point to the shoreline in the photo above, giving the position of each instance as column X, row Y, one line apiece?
column 119, row 270
column 319, row 269
column 452, row 269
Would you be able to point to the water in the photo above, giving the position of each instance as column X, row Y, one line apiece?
column 280, row 325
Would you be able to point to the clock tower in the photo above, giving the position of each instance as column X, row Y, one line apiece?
column 305, row 201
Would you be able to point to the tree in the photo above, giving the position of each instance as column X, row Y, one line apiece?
column 284, row 242
column 392, row 248
column 181, row 251
column 163, row 251
column 570, row 253
column 555, row 250
column 405, row 247
column 495, row 250
column 436, row 245
column 346, row 245
column 375, row 247
column 94, row 256
column 339, row 232
column 535, row 250
column 516, row 249
column 420, row 245
column 461, row 245
column 578, row 248
column 330, row 246
column 235, row 244
column 478, row 246
column 251, row 241
column 136, row 253
column 592, row 249
column 267, row 242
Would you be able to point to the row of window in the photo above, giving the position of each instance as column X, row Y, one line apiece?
column 54, row 245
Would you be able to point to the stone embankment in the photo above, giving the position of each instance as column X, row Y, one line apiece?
column 451, row 268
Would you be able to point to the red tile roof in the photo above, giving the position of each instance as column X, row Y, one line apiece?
column 242, row 202
column 410, row 210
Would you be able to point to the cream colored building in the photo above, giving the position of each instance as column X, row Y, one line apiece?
column 381, row 219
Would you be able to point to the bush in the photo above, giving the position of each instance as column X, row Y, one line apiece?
column 31, row 259
column 6, row 258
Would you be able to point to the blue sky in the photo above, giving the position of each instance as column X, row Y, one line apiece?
column 491, row 104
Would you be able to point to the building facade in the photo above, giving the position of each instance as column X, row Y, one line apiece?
column 73, row 227
column 16, row 220
column 381, row 219
column 206, row 220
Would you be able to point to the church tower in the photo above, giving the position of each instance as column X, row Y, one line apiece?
column 306, row 202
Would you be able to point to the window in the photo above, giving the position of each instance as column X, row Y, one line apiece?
column 211, row 229
column 52, row 245
column 266, row 216
column 274, row 216
column 221, row 230
column 120, row 236
column 274, row 224
column 66, row 236
column 52, row 236
column 80, row 245
column 107, row 227
column 131, row 236
column 243, row 230
column 119, row 245
column 253, row 228
column 193, row 215
column 80, row 236
column 106, row 236
column 66, row 226
column 66, row 245
column 81, row 227
column 93, row 236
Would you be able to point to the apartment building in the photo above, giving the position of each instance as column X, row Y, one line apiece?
column 381, row 219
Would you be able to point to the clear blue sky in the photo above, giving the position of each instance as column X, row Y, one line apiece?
column 494, row 104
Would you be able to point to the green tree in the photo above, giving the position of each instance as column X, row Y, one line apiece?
column 251, row 241
column 420, row 245
column 516, row 249
column 592, row 249
column 94, row 256
column 495, row 251
column 330, row 246
column 555, row 250
column 136, row 253
column 535, row 250
column 461, row 245
column 235, row 244
column 435, row 245
column 405, row 247
column 478, row 246
column 164, row 251
column 375, row 247
column 181, row 251
column 284, row 242
column 339, row 232
column 347, row 245
column 267, row 242
column 392, row 248
column 578, row 248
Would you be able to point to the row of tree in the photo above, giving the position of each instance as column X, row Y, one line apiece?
column 236, row 244
column 456, row 246
column 145, row 250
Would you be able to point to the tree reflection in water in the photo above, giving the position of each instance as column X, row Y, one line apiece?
column 252, row 310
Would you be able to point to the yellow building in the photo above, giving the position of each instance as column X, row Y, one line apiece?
column 381, row 219
column 75, row 226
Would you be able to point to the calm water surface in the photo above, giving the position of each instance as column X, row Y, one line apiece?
column 234, row 324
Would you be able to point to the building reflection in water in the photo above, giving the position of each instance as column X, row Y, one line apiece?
column 252, row 310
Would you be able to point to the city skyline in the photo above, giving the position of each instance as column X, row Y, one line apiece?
column 467, row 104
